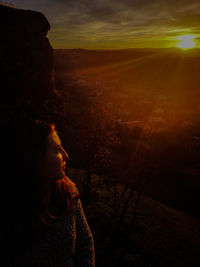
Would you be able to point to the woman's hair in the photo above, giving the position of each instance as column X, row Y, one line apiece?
column 28, row 200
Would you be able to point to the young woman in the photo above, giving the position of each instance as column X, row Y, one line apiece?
column 43, row 223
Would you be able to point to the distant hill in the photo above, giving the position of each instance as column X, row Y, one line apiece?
column 166, row 79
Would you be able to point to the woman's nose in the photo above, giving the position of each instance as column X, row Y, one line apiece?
column 65, row 155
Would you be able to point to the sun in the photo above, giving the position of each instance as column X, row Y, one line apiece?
column 186, row 41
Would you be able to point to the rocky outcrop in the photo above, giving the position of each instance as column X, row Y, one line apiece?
column 26, row 57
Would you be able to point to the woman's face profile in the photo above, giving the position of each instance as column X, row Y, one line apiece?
column 56, row 156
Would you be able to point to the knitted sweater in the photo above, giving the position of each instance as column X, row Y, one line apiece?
column 69, row 243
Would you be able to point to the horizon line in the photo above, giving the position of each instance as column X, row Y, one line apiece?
column 133, row 48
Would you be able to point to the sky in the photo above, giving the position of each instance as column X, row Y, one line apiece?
column 117, row 24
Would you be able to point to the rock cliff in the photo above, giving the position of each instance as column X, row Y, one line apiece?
column 26, row 57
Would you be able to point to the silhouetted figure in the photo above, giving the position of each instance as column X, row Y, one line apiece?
column 42, row 220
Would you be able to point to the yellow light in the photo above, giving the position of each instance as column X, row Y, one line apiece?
column 186, row 41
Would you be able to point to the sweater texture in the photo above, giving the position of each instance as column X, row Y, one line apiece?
column 68, row 243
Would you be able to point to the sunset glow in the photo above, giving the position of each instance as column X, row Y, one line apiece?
column 110, row 25
column 186, row 41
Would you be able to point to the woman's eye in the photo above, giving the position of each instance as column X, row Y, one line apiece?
column 60, row 148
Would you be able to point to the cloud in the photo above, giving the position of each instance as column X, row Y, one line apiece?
column 126, row 12
column 114, row 11
column 6, row 4
column 103, row 20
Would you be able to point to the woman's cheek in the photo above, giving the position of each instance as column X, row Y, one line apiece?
column 58, row 167
column 52, row 166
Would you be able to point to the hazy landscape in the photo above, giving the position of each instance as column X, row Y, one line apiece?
column 152, row 95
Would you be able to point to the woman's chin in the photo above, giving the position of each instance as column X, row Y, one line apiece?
column 57, row 178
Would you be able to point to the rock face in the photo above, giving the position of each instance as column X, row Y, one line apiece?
column 26, row 57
